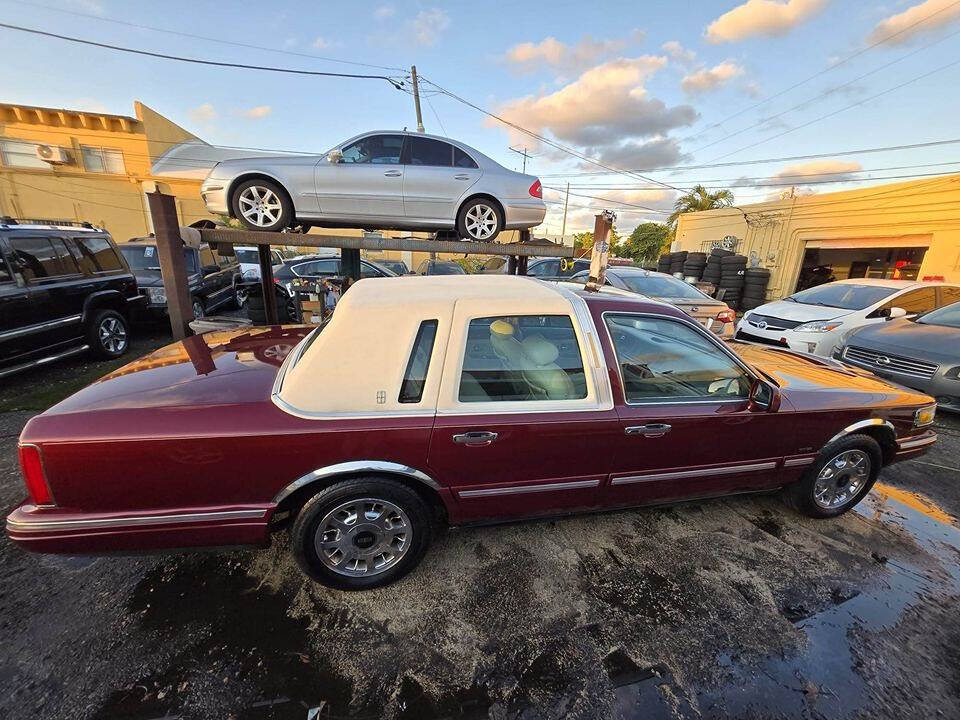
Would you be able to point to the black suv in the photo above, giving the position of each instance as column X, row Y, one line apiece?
column 64, row 289
column 212, row 278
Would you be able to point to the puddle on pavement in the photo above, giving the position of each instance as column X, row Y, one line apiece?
column 230, row 650
column 822, row 677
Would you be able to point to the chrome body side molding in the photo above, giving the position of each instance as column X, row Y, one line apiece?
column 799, row 461
column 675, row 475
column 132, row 520
column 351, row 468
column 517, row 489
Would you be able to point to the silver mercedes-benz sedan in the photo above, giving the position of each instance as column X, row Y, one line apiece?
column 383, row 179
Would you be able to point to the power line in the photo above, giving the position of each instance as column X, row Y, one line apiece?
column 398, row 84
column 205, row 38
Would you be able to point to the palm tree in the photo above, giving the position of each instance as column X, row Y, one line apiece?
column 699, row 199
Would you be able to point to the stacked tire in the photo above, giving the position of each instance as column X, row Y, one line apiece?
column 694, row 265
column 663, row 264
column 712, row 270
column 677, row 259
column 732, row 269
column 755, row 282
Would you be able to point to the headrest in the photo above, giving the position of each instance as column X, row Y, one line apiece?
column 501, row 327
column 539, row 350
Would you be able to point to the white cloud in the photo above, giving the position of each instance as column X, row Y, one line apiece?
column 939, row 12
column 630, row 155
column 762, row 17
column 606, row 105
column 383, row 12
column 708, row 79
column 428, row 26
column 807, row 174
column 528, row 56
column 678, row 52
column 257, row 112
column 321, row 43
column 203, row 114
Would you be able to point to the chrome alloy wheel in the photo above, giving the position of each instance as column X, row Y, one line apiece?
column 260, row 206
column 112, row 335
column 481, row 221
column 364, row 537
column 841, row 479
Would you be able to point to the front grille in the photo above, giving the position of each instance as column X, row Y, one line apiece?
column 772, row 323
column 741, row 335
column 876, row 360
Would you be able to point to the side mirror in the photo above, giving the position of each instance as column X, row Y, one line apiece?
column 764, row 397
column 896, row 312
column 334, row 157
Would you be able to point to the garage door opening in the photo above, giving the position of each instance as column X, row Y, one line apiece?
column 823, row 264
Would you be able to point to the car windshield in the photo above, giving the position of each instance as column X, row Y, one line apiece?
column 660, row 286
column 248, row 257
column 847, row 296
column 144, row 257
column 947, row 316
column 445, row 269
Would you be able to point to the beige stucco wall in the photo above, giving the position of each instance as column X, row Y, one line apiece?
column 775, row 233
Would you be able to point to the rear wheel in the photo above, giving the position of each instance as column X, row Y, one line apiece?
column 361, row 533
column 262, row 205
column 198, row 311
column 842, row 474
column 108, row 334
column 479, row 220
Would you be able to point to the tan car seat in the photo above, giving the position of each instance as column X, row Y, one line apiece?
column 543, row 375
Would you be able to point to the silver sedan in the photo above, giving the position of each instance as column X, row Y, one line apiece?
column 400, row 180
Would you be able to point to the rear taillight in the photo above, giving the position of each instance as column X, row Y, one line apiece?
column 536, row 190
column 726, row 316
column 31, row 465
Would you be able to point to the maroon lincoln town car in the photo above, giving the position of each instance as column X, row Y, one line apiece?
column 446, row 399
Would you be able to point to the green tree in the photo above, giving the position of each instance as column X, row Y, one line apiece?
column 583, row 243
column 699, row 199
column 646, row 242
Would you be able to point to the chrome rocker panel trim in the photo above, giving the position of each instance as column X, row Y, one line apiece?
column 132, row 520
column 352, row 468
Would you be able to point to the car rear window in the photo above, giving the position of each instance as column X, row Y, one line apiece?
column 661, row 286
column 411, row 391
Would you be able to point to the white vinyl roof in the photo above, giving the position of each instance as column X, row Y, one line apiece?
column 356, row 364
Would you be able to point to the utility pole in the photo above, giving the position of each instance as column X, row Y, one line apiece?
column 566, row 202
column 523, row 151
column 416, row 97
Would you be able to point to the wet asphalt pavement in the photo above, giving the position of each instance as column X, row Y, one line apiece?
column 735, row 608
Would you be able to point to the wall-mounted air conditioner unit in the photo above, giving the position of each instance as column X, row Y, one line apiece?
column 53, row 154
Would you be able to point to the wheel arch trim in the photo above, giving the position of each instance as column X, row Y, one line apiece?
column 860, row 425
column 354, row 467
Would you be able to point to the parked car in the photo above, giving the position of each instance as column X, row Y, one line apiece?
column 213, row 279
column 715, row 315
column 922, row 353
column 440, row 267
column 813, row 320
column 440, row 399
column 320, row 266
column 398, row 267
column 64, row 289
column 543, row 268
column 383, row 179
column 249, row 259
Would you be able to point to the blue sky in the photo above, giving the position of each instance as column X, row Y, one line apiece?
column 633, row 85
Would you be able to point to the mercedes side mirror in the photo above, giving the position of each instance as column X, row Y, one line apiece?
column 334, row 157
column 896, row 312
column 764, row 397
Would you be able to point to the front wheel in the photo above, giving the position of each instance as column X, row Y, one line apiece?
column 198, row 311
column 361, row 533
column 479, row 220
column 262, row 205
column 839, row 478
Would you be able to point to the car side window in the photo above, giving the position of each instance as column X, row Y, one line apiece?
column 225, row 261
column 368, row 271
column 547, row 268
column 5, row 274
column 426, row 151
column 948, row 296
column 206, row 257
column 916, row 301
column 522, row 358
column 374, row 150
column 411, row 391
column 318, row 268
column 462, row 160
column 41, row 257
column 97, row 254
column 665, row 360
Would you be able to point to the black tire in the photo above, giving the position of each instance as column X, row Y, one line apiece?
column 733, row 261
column 198, row 307
column 274, row 196
column 757, row 274
column 306, row 526
column 108, row 334
column 721, row 253
column 698, row 257
column 240, row 296
column 482, row 207
column 800, row 495
column 731, row 283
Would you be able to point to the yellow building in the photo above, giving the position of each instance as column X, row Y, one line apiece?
column 95, row 167
column 908, row 230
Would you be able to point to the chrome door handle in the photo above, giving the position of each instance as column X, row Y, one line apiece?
column 475, row 437
column 461, row 177
column 393, row 173
column 653, row 430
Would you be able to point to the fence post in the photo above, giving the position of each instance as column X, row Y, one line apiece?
column 266, row 285
column 173, row 268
